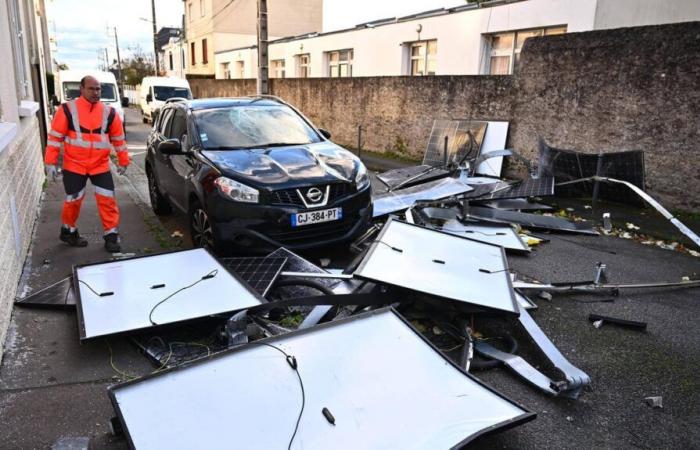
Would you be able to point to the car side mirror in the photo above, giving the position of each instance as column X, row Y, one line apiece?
column 125, row 102
column 170, row 147
column 326, row 134
column 149, row 98
column 55, row 101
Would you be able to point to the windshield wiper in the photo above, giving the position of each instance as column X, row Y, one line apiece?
column 281, row 144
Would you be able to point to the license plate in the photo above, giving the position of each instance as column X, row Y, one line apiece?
column 324, row 215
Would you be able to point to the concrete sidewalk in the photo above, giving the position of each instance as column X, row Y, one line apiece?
column 50, row 385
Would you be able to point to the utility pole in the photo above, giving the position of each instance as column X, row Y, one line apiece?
column 119, row 63
column 106, row 60
column 155, row 36
column 262, row 49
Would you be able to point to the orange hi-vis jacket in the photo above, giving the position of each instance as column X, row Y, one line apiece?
column 88, row 132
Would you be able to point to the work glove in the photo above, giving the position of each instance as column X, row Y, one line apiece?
column 121, row 170
column 51, row 171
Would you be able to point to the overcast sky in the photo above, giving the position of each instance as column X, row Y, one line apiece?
column 80, row 27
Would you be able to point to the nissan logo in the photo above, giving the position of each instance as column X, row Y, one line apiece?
column 314, row 195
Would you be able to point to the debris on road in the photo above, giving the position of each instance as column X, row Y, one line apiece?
column 654, row 402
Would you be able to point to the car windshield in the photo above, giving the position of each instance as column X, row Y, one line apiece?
column 71, row 90
column 248, row 126
column 163, row 93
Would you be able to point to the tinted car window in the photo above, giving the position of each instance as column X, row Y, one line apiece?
column 71, row 90
column 252, row 126
column 178, row 126
column 163, row 93
column 165, row 121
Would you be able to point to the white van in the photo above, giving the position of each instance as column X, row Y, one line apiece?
column 156, row 90
column 68, row 88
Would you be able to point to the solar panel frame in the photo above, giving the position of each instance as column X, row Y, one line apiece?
column 56, row 295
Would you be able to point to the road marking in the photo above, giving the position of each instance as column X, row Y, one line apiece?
column 136, row 147
column 136, row 153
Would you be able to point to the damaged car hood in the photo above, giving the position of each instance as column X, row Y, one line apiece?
column 280, row 167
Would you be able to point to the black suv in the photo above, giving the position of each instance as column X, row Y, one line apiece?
column 255, row 174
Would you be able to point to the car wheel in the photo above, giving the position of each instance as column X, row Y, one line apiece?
column 200, row 228
column 145, row 119
column 159, row 204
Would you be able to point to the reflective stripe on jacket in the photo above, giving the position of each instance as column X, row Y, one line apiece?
column 88, row 132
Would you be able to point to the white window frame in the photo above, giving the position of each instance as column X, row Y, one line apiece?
column 240, row 68
column 226, row 70
column 278, row 68
column 17, row 36
column 423, row 57
column 514, row 51
column 303, row 68
column 337, row 64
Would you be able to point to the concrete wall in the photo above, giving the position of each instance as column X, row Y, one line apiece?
column 632, row 88
column 634, row 13
column 21, row 168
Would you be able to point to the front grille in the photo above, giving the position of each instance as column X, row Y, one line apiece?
column 291, row 197
column 316, row 232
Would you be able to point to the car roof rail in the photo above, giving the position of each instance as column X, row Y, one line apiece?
column 175, row 99
column 271, row 97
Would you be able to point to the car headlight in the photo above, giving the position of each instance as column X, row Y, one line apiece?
column 236, row 191
column 362, row 177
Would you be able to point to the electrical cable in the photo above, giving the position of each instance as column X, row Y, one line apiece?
column 388, row 245
column 211, row 274
column 99, row 294
column 291, row 360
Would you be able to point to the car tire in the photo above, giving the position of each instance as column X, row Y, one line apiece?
column 145, row 119
column 159, row 203
column 201, row 231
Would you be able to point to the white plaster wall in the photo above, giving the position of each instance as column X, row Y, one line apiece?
column 633, row 13
column 378, row 51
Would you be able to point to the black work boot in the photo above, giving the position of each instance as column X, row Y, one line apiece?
column 112, row 243
column 72, row 238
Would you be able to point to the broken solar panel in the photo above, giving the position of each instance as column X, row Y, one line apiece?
column 529, row 187
column 494, row 140
column 458, row 141
column 389, row 202
column 504, row 236
column 140, row 293
column 296, row 263
column 535, row 221
column 365, row 391
column 57, row 295
column 568, row 165
column 409, row 176
column 441, row 265
column 259, row 272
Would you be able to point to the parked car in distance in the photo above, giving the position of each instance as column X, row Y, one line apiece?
column 155, row 91
column 253, row 174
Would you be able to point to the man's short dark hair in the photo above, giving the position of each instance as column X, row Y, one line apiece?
column 82, row 80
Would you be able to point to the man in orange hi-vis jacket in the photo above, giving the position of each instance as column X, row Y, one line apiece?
column 88, row 130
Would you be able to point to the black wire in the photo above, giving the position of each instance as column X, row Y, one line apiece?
column 99, row 294
column 289, row 359
column 211, row 274
column 388, row 245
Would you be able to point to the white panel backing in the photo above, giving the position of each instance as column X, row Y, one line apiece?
column 440, row 264
column 384, row 385
column 495, row 139
column 134, row 297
